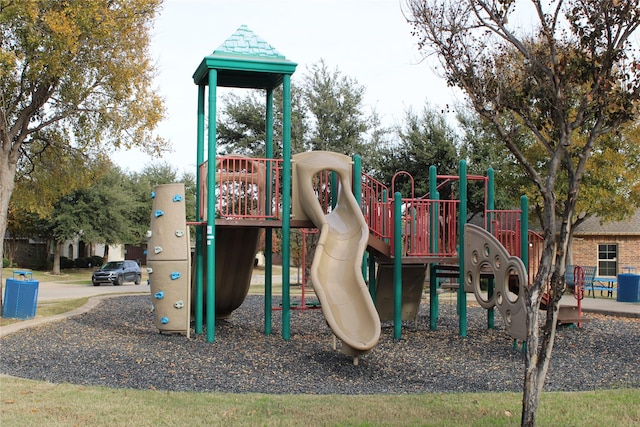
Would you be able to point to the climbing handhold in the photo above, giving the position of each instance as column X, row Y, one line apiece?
column 157, row 249
column 153, row 194
column 149, row 270
column 179, row 304
column 149, row 234
column 158, row 213
column 175, row 275
column 159, row 295
column 177, row 198
column 164, row 320
column 179, row 233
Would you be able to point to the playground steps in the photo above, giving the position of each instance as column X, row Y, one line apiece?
column 568, row 314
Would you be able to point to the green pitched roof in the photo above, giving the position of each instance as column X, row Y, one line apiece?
column 246, row 42
column 245, row 60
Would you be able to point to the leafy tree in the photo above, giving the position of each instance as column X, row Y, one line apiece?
column 335, row 105
column 423, row 140
column 480, row 150
column 38, row 194
column 327, row 113
column 96, row 213
column 568, row 83
column 241, row 128
column 74, row 74
column 143, row 183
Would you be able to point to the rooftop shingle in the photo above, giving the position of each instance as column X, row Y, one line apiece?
column 592, row 226
column 245, row 42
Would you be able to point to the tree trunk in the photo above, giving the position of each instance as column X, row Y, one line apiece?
column 539, row 348
column 106, row 253
column 56, row 258
column 7, row 175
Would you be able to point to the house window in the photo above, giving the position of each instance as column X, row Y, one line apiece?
column 607, row 259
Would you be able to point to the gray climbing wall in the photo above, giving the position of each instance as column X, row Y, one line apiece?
column 484, row 254
column 168, row 259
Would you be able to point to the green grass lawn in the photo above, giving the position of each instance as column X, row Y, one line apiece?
column 34, row 403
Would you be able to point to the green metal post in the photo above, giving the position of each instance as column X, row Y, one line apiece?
column 434, row 303
column 268, row 236
column 334, row 189
column 397, row 265
column 372, row 277
column 385, row 199
column 211, row 206
column 490, row 206
column 199, row 303
column 524, row 230
column 357, row 192
column 286, row 206
column 462, row 220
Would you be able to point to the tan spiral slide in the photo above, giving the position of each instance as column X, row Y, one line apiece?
column 336, row 268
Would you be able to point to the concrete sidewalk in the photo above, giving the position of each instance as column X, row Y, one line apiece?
column 607, row 306
column 49, row 291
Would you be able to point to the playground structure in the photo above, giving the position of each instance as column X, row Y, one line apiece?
column 404, row 237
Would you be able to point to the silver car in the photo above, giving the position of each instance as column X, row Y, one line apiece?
column 117, row 273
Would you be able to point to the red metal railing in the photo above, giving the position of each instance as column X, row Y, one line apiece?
column 505, row 226
column 251, row 188
column 430, row 227
column 245, row 187
column 376, row 207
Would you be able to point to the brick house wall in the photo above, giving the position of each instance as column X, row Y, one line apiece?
column 585, row 250
column 624, row 234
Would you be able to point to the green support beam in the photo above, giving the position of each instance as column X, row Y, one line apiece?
column 268, row 236
column 462, row 220
column 211, row 209
column 286, row 207
column 199, row 300
column 491, row 205
column 397, row 265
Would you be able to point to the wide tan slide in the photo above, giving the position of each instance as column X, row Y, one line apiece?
column 336, row 272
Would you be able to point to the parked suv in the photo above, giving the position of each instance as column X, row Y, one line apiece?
column 117, row 272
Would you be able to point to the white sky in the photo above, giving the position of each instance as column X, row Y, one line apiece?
column 368, row 40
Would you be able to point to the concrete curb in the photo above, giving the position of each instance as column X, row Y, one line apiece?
column 612, row 313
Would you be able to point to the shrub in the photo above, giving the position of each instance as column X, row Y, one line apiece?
column 81, row 262
column 66, row 263
column 96, row 261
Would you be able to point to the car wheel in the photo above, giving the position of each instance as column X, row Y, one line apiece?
column 138, row 278
column 96, row 284
column 119, row 281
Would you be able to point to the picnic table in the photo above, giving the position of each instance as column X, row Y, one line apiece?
column 591, row 282
column 603, row 284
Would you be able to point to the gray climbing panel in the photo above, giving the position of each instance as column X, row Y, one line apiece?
column 484, row 256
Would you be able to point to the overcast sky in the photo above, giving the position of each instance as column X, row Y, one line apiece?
column 368, row 40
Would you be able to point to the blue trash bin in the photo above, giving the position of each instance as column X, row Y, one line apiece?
column 20, row 296
column 628, row 288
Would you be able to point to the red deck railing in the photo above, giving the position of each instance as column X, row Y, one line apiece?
column 251, row 188
column 376, row 207
column 505, row 225
column 430, row 227
column 245, row 187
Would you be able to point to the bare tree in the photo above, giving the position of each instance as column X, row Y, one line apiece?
column 567, row 80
